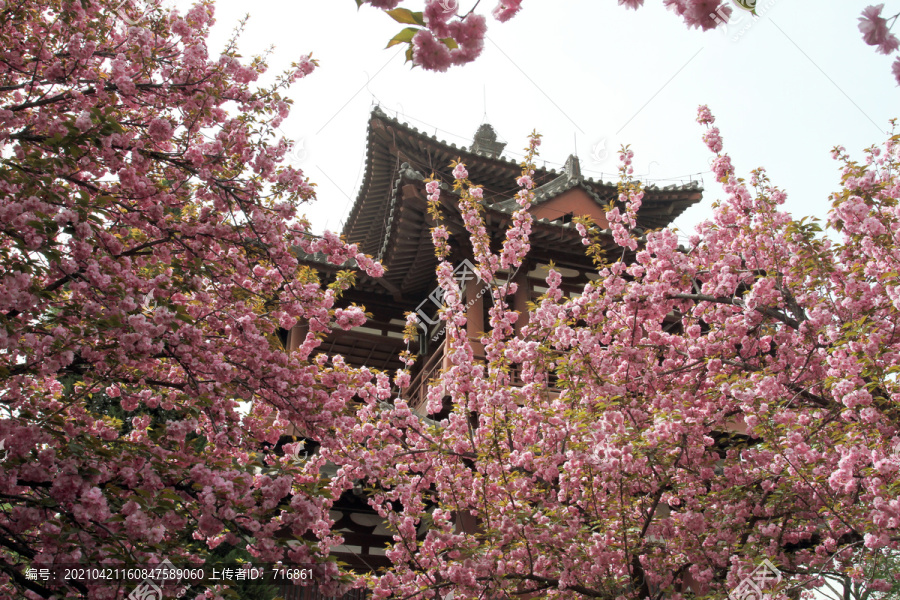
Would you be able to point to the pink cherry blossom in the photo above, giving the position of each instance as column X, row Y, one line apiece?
column 429, row 52
column 704, row 116
column 702, row 14
column 159, row 130
column 437, row 17
column 506, row 9
column 875, row 30
column 469, row 36
column 384, row 4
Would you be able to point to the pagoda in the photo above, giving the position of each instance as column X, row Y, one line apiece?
column 389, row 221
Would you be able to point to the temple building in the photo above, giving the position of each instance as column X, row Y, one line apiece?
column 390, row 222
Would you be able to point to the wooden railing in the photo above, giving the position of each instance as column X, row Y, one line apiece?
column 417, row 391
column 418, row 387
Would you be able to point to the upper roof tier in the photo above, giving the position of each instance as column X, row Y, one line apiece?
column 397, row 153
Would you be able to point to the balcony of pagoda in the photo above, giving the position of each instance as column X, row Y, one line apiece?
column 429, row 376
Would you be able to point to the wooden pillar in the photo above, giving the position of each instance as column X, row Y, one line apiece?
column 296, row 337
column 522, row 296
column 474, row 299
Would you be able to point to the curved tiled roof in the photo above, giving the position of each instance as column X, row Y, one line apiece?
column 397, row 153
column 389, row 219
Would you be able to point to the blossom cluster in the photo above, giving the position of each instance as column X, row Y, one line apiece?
column 445, row 38
column 876, row 32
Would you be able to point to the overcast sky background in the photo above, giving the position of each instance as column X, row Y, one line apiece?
column 590, row 76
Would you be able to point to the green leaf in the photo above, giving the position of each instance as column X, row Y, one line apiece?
column 170, row 495
column 450, row 43
column 404, row 15
column 182, row 315
column 404, row 37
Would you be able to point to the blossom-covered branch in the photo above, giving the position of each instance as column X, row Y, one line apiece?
column 442, row 35
column 876, row 32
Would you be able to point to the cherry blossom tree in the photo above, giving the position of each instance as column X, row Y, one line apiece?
column 148, row 257
column 721, row 418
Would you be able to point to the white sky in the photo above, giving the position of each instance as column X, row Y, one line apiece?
column 797, row 82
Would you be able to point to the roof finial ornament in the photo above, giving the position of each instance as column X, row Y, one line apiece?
column 573, row 167
column 485, row 142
